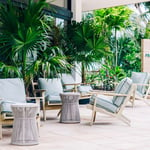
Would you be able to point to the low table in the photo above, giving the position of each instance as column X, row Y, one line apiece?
column 25, row 131
column 70, row 107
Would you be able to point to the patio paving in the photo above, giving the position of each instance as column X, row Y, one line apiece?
column 106, row 134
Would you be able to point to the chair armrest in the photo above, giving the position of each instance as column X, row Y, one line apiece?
column 72, row 84
column 39, row 90
column 115, row 94
column 140, row 84
column 108, row 93
column 28, row 98
column 87, row 83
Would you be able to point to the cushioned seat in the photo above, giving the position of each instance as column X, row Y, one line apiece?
column 105, row 102
column 53, row 88
column 5, row 107
column 12, row 91
column 113, row 105
column 84, row 89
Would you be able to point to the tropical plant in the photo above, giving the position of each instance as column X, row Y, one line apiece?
column 144, row 17
column 85, row 45
column 113, row 20
column 106, row 77
column 26, row 47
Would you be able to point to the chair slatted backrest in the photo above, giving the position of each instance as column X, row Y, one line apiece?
column 123, row 87
column 141, row 78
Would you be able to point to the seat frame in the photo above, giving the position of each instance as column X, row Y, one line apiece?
column 119, row 115
column 45, row 105
column 5, row 120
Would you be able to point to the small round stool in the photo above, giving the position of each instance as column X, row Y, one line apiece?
column 70, row 107
column 25, row 131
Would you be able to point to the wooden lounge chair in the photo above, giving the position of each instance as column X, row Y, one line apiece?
column 12, row 91
column 68, row 82
column 49, row 90
column 114, row 105
column 142, row 83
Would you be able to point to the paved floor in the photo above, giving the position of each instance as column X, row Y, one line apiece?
column 106, row 134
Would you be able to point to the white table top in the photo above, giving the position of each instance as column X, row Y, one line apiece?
column 70, row 93
column 25, row 105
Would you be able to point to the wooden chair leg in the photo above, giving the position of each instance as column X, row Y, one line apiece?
column 92, row 119
column 94, row 116
column 38, row 124
column 0, row 131
column 59, row 113
column 124, row 119
column 44, row 114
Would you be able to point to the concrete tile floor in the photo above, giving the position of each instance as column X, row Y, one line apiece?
column 106, row 134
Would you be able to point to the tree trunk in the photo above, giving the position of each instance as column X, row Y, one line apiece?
column 116, row 50
column 83, row 73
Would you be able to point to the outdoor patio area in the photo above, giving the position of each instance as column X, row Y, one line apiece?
column 106, row 134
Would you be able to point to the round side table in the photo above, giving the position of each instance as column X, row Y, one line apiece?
column 70, row 107
column 25, row 131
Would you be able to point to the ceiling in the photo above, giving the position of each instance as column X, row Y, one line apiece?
column 97, row 4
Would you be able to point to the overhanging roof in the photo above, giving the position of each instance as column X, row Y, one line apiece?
column 98, row 4
column 56, row 11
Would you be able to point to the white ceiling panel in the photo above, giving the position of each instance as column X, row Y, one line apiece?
column 88, row 5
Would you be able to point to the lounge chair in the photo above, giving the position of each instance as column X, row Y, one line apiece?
column 142, row 83
column 69, row 84
column 114, row 105
column 50, row 90
column 12, row 91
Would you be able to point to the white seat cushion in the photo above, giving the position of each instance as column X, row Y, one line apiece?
column 84, row 89
column 104, row 102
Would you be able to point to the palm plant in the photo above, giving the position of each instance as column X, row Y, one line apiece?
column 21, row 34
column 85, row 45
column 144, row 16
column 113, row 19
column 25, row 43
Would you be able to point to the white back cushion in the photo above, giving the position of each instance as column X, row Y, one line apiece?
column 12, row 89
column 123, row 87
column 140, row 78
column 53, row 86
column 67, row 79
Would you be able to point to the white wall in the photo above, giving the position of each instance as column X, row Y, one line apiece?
column 60, row 3
column 77, row 10
column 145, row 50
column 77, row 15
